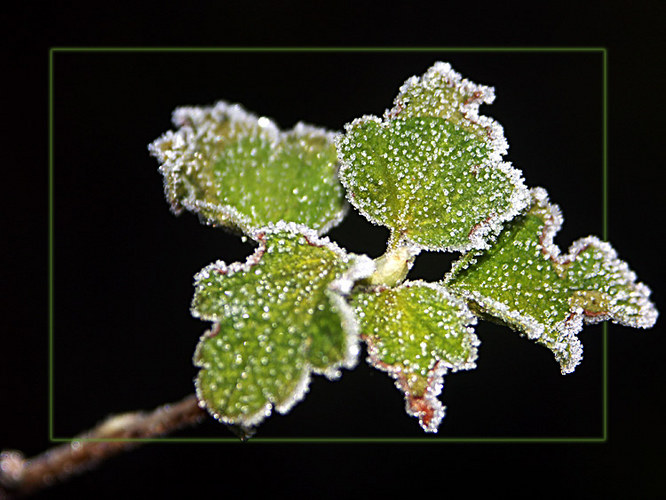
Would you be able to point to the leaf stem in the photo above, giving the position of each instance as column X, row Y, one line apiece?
column 20, row 476
column 393, row 266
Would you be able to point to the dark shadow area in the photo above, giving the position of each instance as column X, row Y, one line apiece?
column 432, row 266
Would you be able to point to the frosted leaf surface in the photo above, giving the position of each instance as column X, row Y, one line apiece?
column 240, row 171
column 417, row 332
column 444, row 93
column 278, row 317
column 525, row 282
column 431, row 169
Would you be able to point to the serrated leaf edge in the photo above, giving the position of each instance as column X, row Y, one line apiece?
column 481, row 94
column 361, row 267
column 568, row 328
column 428, row 409
column 192, row 124
column 485, row 233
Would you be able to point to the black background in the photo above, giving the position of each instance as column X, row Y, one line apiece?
column 124, row 264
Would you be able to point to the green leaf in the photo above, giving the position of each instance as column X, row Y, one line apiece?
column 442, row 92
column 431, row 170
column 240, row 171
column 525, row 282
column 278, row 317
column 417, row 332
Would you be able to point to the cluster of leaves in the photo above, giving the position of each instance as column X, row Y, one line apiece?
column 431, row 171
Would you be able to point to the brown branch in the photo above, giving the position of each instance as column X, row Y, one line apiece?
column 20, row 476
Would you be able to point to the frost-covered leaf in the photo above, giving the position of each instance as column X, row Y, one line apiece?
column 278, row 316
column 240, row 171
column 431, row 169
column 525, row 282
column 417, row 332
column 442, row 92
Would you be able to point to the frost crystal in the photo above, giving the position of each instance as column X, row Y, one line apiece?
column 278, row 317
column 237, row 170
column 524, row 281
column 417, row 332
column 431, row 170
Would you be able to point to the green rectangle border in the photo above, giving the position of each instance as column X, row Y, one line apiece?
column 604, row 53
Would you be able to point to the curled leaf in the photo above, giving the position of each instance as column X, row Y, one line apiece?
column 430, row 170
column 278, row 317
column 240, row 171
column 417, row 332
column 525, row 282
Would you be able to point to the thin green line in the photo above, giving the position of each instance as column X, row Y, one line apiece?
column 604, row 230
column 605, row 235
column 428, row 441
column 50, row 256
column 53, row 50
column 342, row 440
column 328, row 49
column 604, row 390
